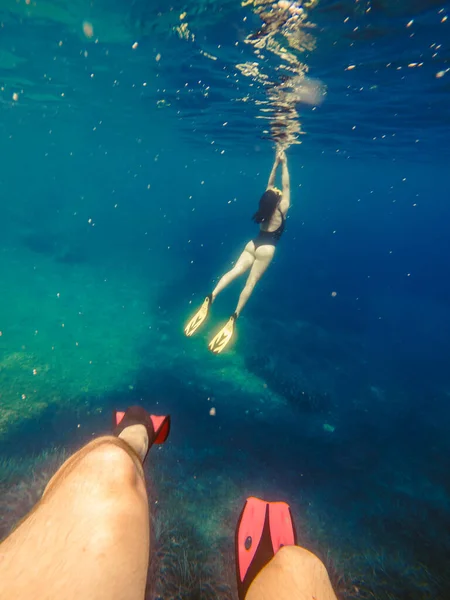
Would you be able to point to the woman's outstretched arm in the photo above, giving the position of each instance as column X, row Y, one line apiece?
column 286, row 201
column 273, row 172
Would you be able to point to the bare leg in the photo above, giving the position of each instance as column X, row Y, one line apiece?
column 292, row 573
column 245, row 261
column 264, row 255
column 89, row 535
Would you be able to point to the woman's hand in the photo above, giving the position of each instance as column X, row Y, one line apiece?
column 281, row 157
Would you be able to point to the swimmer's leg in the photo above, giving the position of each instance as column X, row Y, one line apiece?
column 89, row 535
column 292, row 573
column 264, row 255
column 244, row 262
column 262, row 259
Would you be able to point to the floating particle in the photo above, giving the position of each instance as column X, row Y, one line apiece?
column 1, row 333
column 23, row 397
column 212, row 412
column 444, row 19
column 440, row 74
column 334, row 294
column 350, row 67
column 34, row 372
column 135, row 45
column 15, row 96
column 182, row 16
column 410, row 23
column 88, row 29
column 158, row 57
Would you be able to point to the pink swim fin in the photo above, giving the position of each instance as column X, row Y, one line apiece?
column 262, row 529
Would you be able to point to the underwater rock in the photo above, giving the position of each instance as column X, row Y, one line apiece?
column 55, row 246
column 285, row 378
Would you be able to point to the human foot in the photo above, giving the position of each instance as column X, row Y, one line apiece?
column 140, row 430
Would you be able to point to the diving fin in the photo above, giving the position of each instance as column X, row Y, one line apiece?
column 262, row 529
column 221, row 340
column 158, row 428
column 199, row 317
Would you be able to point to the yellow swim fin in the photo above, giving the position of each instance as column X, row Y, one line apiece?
column 199, row 317
column 223, row 338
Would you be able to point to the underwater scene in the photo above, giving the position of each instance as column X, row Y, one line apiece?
column 139, row 139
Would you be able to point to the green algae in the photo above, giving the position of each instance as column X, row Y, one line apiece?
column 66, row 335
column 72, row 334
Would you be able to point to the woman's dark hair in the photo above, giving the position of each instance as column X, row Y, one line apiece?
column 267, row 206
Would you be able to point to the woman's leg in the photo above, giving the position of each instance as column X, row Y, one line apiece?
column 292, row 573
column 244, row 262
column 263, row 258
column 88, row 537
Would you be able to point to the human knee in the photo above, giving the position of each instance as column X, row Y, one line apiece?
column 110, row 466
column 251, row 282
column 291, row 558
column 238, row 270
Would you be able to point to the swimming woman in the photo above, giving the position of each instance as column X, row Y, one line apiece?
column 257, row 256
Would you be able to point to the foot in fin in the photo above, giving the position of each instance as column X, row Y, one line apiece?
column 223, row 338
column 158, row 428
column 199, row 317
column 262, row 529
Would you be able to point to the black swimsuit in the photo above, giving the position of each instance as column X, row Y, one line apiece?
column 270, row 238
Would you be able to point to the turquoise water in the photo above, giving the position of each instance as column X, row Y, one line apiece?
column 137, row 141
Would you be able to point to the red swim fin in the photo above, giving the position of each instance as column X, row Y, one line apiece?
column 282, row 527
column 262, row 529
column 161, row 426
column 158, row 428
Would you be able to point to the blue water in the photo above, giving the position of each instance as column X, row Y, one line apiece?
column 129, row 178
